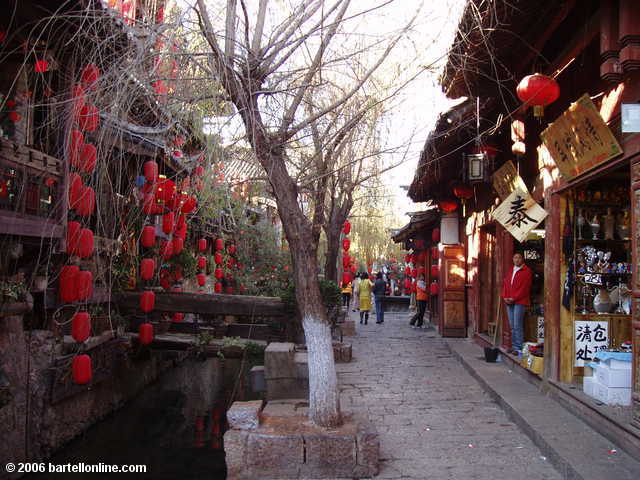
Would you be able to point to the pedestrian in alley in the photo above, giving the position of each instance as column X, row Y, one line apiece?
column 364, row 290
column 356, row 292
column 516, row 291
column 346, row 294
column 379, row 291
column 417, row 321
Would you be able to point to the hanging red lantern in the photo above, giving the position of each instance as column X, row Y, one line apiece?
column 230, row 262
column 414, row 272
column 89, row 118
column 202, row 279
column 87, row 202
column 89, row 76
column 219, row 244
column 147, row 301
column 81, row 369
column 178, row 245
column 189, row 205
column 67, row 284
column 181, row 232
column 178, row 317
column 407, row 258
column 177, row 274
column 168, row 222
column 346, row 278
column 75, row 190
column 15, row 117
column 463, row 192
column 354, row 269
column 217, row 287
column 448, row 206
column 202, row 244
column 41, row 66
column 148, row 238
column 145, row 333
column 231, row 249
column 149, row 204
column 80, row 326
column 150, row 171
column 422, row 257
column 419, row 244
column 346, row 244
column 75, row 147
column 73, row 237
column 182, row 222
column 538, row 90
column 407, row 283
column 435, row 253
column 218, row 273
column 166, row 249
column 85, row 243
column 435, row 271
column 202, row 262
column 346, row 228
column 407, row 270
column 346, row 261
column 88, row 158
column 147, row 268
column 84, row 283
column 218, row 258
column 4, row 189
column 166, row 190
column 435, row 235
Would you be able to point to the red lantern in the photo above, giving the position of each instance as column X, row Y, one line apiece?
column 145, row 333
column 218, row 273
column 85, row 243
column 178, row 245
column 433, row 288
column 41, row 66
column 346, row 228
column 84, row 282
column 229, row 289
column 166, row 249
column 89, row 76
column 80, row 326
column 202, row 262
column 189, row 205
column 231, row 249
column 218, row 258
column 435, row 253
column 421, row 271
column 407, row 258
column 202, row 279
column 346, row 244
column 346, row 278
column 147, row 268
column 407, row 270
column 407, row 284
column 81, row 368
column 435, row 270
column 150, row 171
column 538, row 90
column 414, row 273
column 73, row 237
column 149, row 204
column 148, row 239
column 419, row 243
column 219, row 244
column 435, row 235
column 68, row 288
column 231, row 263
column 89, row 118
column 353, row 269
column 15, row 117
column 202, row 244
column 166, row 191
column 4, row 189
column 463, row 192
column 448, row 206
column 217, row 287
column 369, row 270
column 168, row 222
column 181, row 232
column 87, row 202
column 75, row 190
column 177, row 274
column 178, row 317
column 88, row 158
column 147, row 301
column 422, row 257
column 75, row 147
column 182, row 223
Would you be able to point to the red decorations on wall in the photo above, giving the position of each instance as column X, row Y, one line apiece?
column 150, row 171
column 147, row 301
column 448, row 206
column 434, row 289
column 148, row 238
column 85, row 243
column 87, row 202
column 218, row 273
column 73, row 238
column 435, row 235
column 89, row 118
column 89, row 76
column 346, row 228
column 81, row 369
column 168, row 222
column 147, row 268
column 202, row 279
column 346, row 244
column 218, row 258
column 202, row 244
column 538, row 90
column 165, row 191
column 145, row 333
column 219, row 244
column 189, row 205
column 84, row 282
column 67, row 283
column 217, row 287
column 41, row 66
column 202, row 262
column 80, row 326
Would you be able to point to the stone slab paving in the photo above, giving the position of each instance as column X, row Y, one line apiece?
column 434, row 419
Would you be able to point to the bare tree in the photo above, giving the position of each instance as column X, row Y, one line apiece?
column 267, row 67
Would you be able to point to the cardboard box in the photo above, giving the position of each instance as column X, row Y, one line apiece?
column 611, row 395
column 589, row 386
column 617, row 364
column 535, row 364
column 612, row 377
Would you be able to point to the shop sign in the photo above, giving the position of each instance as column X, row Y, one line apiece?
column 580, row 140
column 519, row 214
column 590, row 337
column 506, row 180
column 540, row 329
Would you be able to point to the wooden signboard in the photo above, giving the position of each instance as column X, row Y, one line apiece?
column 579, row 140
column 506, row 180
column 590, row 336
column 519, row 213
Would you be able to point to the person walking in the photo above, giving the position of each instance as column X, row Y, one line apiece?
column 356, row 292
column 379, row 290
column 516, row 290
column 417, row 320
column 364, row 289
column 346, row 294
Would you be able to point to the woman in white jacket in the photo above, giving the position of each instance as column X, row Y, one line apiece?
column 356, row 292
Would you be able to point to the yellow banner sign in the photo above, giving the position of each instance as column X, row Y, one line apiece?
column 579, row 140
column 506, row 180
column 519, row 213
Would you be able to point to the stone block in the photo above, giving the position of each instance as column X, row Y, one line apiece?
column 256, row 377
column 278, row 360
column 367, row 450
column 329, row 456
column 301, row 362
column 287, row 388
column 272, row 456
column 286, row 408
column 235, row 451
column 244, row 415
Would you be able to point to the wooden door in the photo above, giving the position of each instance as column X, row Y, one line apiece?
column 487, row 278
column 635, row 309
column 452, row 320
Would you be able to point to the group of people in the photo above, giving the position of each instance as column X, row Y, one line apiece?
column 362, row 289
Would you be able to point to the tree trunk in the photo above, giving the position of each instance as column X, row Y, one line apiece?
column 333, row 249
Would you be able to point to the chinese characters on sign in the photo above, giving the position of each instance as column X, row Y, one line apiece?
column 579, row 139
column 506, row 180
column 590, row 336
column 540, row 329
column 519, row 213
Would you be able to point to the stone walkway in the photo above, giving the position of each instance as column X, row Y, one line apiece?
column 435, row 421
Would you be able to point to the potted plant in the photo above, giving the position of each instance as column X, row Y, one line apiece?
column 14, row 297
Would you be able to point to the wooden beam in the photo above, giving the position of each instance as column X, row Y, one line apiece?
column 208, row 304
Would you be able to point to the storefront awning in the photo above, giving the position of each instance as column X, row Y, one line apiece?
column 419, row 221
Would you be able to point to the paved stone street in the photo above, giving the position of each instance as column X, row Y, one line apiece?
column 434, row 419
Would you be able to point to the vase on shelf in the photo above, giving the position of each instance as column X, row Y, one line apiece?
column 609, row 221
column 602, row 301
column 580, row 223
column 623, row 225
column 595, row 227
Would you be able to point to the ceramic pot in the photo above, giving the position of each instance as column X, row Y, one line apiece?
column 602, row 301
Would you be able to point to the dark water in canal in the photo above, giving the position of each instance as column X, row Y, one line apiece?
column 174, row 427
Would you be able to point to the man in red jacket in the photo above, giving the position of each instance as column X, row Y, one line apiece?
column 516, row 290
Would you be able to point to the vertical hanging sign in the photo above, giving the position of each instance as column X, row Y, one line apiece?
column 519, row 213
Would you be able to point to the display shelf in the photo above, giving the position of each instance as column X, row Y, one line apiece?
column 580, row 275
column 602, row 315
column 601, row 240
